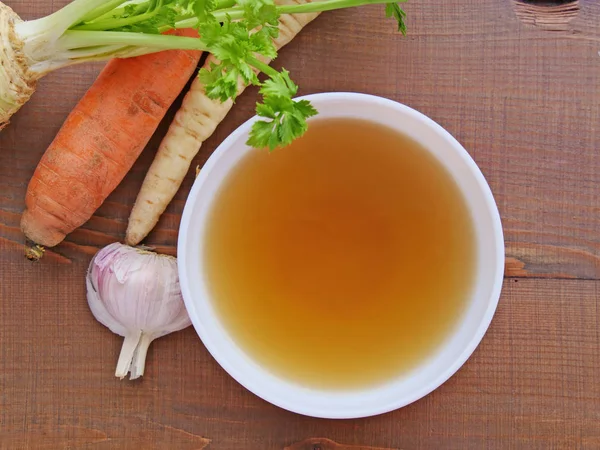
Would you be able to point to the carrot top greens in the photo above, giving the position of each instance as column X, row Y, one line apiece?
column 239, row 33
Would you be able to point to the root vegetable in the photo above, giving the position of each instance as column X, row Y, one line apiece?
column 195, row 122
column 17, row 82
column 101, row 139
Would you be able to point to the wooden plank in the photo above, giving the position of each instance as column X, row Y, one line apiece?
column 533, row 383
column 525, row 102
column 327, row 444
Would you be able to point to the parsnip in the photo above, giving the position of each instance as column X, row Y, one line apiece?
column 195, row 122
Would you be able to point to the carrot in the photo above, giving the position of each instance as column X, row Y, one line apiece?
column 101, row 139
column 195, row 122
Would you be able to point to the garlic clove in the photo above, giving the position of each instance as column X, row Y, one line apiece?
column 99, row 310
column 135, row 293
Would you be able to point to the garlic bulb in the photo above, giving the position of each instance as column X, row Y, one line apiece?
column 135, row 293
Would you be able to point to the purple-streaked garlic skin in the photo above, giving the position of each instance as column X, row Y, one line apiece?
column 136, row 294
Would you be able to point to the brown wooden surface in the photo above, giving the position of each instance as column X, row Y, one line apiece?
column 523, row 99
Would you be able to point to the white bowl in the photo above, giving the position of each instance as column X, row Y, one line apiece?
column 432, row 372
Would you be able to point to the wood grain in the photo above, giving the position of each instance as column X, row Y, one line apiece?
column 523, row 100
column 327, row 444
column 534, row 382
column 547, row 15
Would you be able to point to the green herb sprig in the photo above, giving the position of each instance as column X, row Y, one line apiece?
column 239, row 33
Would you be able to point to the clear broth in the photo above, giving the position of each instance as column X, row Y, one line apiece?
column 342, row 261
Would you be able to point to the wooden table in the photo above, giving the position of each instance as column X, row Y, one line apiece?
column 518, row 85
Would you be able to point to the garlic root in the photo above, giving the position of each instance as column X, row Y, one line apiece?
column 133, row 355
column 139, row 359
column 128, row 351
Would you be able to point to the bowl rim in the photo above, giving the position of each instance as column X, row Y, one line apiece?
column 237, row 373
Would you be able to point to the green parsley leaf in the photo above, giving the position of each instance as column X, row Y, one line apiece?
column 305, row 108
column 288, row 118
column 220, row 82
column 241, row 46
column 280, row 85
column 259, row 13
column 203, row 9
column 231, row 43
column 262, row 42
column 261, row 134
column 394, row 10
column 264, row 110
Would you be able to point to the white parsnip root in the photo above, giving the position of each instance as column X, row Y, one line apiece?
column 194, row 123
column 17, row 82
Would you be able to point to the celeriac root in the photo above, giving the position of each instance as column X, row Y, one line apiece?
column 195, row 122
column 17, row 82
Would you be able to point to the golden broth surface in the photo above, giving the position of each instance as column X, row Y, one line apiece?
column 342, row 261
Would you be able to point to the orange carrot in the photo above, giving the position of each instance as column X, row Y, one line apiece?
column 101, row 139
